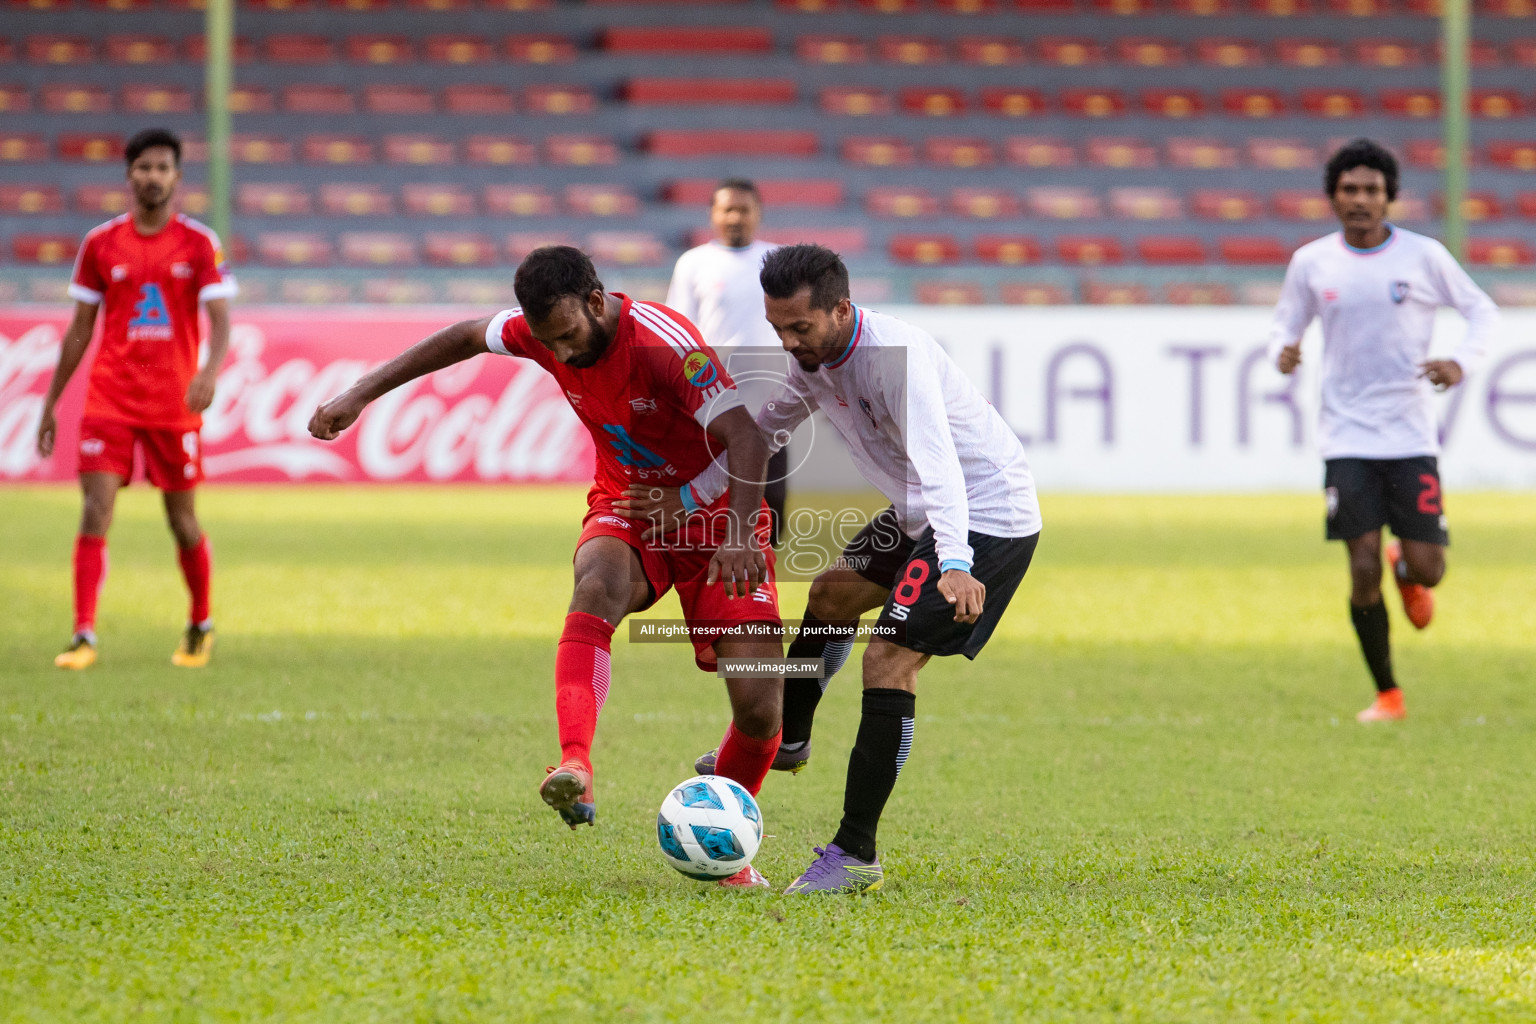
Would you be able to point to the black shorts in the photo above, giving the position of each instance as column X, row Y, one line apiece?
column 1366, row 494
column 879, row 551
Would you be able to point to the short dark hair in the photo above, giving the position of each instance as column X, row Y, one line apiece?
column 788, row 269
column 549, row 274
column 149, row 138
column 746, row 185
column 1362, row 153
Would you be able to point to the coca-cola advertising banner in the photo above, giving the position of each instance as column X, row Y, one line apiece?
column 491, row 419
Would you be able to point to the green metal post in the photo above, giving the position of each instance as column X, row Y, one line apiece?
column 219, row 27
column 1455, row 82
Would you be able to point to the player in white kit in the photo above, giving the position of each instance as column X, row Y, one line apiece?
column 1376, row 288
column 715, row 285
column 941, row 563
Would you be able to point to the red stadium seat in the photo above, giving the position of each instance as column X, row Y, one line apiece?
column 46, row 249
column 1203, row 8
column 889, row 6
column 1148, row 51
column 949, row 293
column 102, row 200
column 137, row 49
column 989, row 51
column 338, row 149
column 1200, row 153
column 1418, row 103
column 600, row 201
column 926, row 250
column 520, row 5
column 459, row 49
column 55, row 49
column 1063, row 202
column 435, row 199
column 30, row 198
column 558, row 99
column 1093, row 102
column 1426, row 153
column 15, row 99
column 967, row 6
column 1408, row 208
column 540, row 49
column 1334, row 103
column 519, row 201
column 477, row 99
column 831, row 49
column 458, row 249
column 279, row 5
column 1180, row 249
column 1500, row 252
column 1039, row 151
column 808, row 6
column 1386, row 53
column 318, row 99
column 1120, row 152
column 1172, row 102
column 681, row 39
column 299, row 49
column 421, row 150
column 1223, row 52
column 1497, row 104
column 1197, row 293
column 294, row 249
column 580, row 150
column 1255, row 103
column 1507, row 8
column 692, row 144
column 1281, row 8
column 1361, row 8
column 398, row 99
column 1089, row 250
column 855, row 101
column 1309, row 53
column 1514, row 156
column 711, row 91
column 90, row 147
column 76, row 99
column 870, row 151
column 252, row 99
column 1013, row 102
column 984, row 203
column 273, row 199
column 928, row 101
column 968, row 152
column 341, row 199
column 1523, row 52
column 1227, row 204
column 910, row 50
column 500, row 150
column 22, row 148
column 311, row 289
column 194, row 49
column 1114, row 293
column 260, row 149
column 1066, row 52
column 1007, row 250
column 156, row 99
column 846, row 240
column 1282, row 154
column 371, row 49
column 901, row 202
column 1145, row 204
column 1123, row 8
column 1478, row 205
column 1034, row 293
column 377, row 249
column 815, row 192
column 1525, row 203
column 1302, row 204
column 1045, row 6
column 628, row 248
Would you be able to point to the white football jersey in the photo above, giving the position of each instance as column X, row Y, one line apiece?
column 717, row 288
column 1378, row 313
column 917, row 430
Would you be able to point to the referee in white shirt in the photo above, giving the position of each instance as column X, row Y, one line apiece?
column 1376, row 288
column 715, row 285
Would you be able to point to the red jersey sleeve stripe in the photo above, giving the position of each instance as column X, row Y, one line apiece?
column 668, row 331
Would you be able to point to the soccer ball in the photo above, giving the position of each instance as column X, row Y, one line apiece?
column 709, row 827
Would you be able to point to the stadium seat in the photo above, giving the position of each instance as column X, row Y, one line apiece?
column 1140, row 203
column 1045, row 6
column 888, row 6
column 989, row 51
column 1309, row 53
column 600, row 201
column 1089, row 250
column 421, row 150
column 1120, row 152
column 693, row 144
column 1301, row 204
column 260, row 149
column 1525, row 204
column 1223, row 52
column 1333, row 103
column 338, row 149
column 1282, row 154
column 314, row 290
column 299, row 49
column 984, row 203
column 252, row 99
column 964, row 153
column 1418, row 103
column 850, row 241
column 831, row 49
column 48, row 249
column 139, row 49
column 1093, row 102
column 1515, row 156
column 458, row 249
column 1065, row 52
column 1112, row 293
column 1500, row 252
column 458, row 49
column 929, row 101
column 896, row 201
column 580, row 150
column 15, row 99
column 1172, row 102
column 22, row 148
column 1032, row 293
column 194, row 50
column 1227, row 204
column 76, row 99
column 1478, row 205
column 540, row 49
column 1281, row 8
column 436, row 199
column 814, row 192
column 1360, row 8
column 1148, row 52
column 1408, row 209
column 1006, row 250
column 1386, row 53
column 1497, row 104
column 372, row 49
column 294, row 249
column 477, row 99
column 318, row 99
column 155, row 99
column 102, row 200
column 682, row 39
column 915, row 50
column 627, row 248
column 1523, row 52
column 1253, row 250
column 1203, row 8
column 30, row 198
column 1063, row 202
column 1038, row 151
column 1123, row 8
column 1255, row 103
column 1199, row 153
column 855, row 101
column 377, row 249
column 90, row 147
column 1197, row 293
column 925, row 250
column 1013, row 102
column 711, row 91
column 500, row 150
column 519, row 201
column 273, row 199
column 57, row 49
column 398, row 99
column 949, row 293
column 193, row 200
column 342, row 199
column 1426, row 153
column 558, row 99
column 1163, row 249
column 967, row 6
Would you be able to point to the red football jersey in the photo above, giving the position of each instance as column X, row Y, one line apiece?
column 149, row 288
column 646, row 401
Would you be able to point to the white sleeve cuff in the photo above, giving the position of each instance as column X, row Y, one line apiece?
column 80, row 293
column 228, row 288
column 493, row 332
column 725, row 401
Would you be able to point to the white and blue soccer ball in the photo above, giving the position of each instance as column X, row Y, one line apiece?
column 709, row 827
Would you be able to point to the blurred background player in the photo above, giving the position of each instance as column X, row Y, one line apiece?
column 148, row 270
column 715, row 285
column 1376, row 288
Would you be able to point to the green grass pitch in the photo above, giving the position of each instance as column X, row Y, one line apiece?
column 1146, row 801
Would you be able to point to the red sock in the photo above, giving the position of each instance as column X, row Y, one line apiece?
column 744, row 759
column 90, row 574
column 581, row 683
column 197, row 569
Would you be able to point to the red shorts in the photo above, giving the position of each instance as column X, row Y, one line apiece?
column 681, row 560
column 173, row 459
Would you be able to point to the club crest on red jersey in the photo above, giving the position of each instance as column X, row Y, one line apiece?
column 700, row 370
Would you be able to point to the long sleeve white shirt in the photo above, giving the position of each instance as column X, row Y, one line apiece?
column 717, row 288
column 1377, row 308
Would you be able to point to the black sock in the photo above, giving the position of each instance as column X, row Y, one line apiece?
column 885, row 739
column 1372, row 628
column 817, row 639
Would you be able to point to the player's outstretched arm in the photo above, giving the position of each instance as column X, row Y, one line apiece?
column 739, row 563
column 452, row 344
column 77, row 338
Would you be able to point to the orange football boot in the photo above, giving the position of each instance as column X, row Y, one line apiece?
column 1387, row 707
column 1418, row 600
column 568, row 789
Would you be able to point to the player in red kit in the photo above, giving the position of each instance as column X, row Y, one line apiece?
column 148, row 271
column 660, row 406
